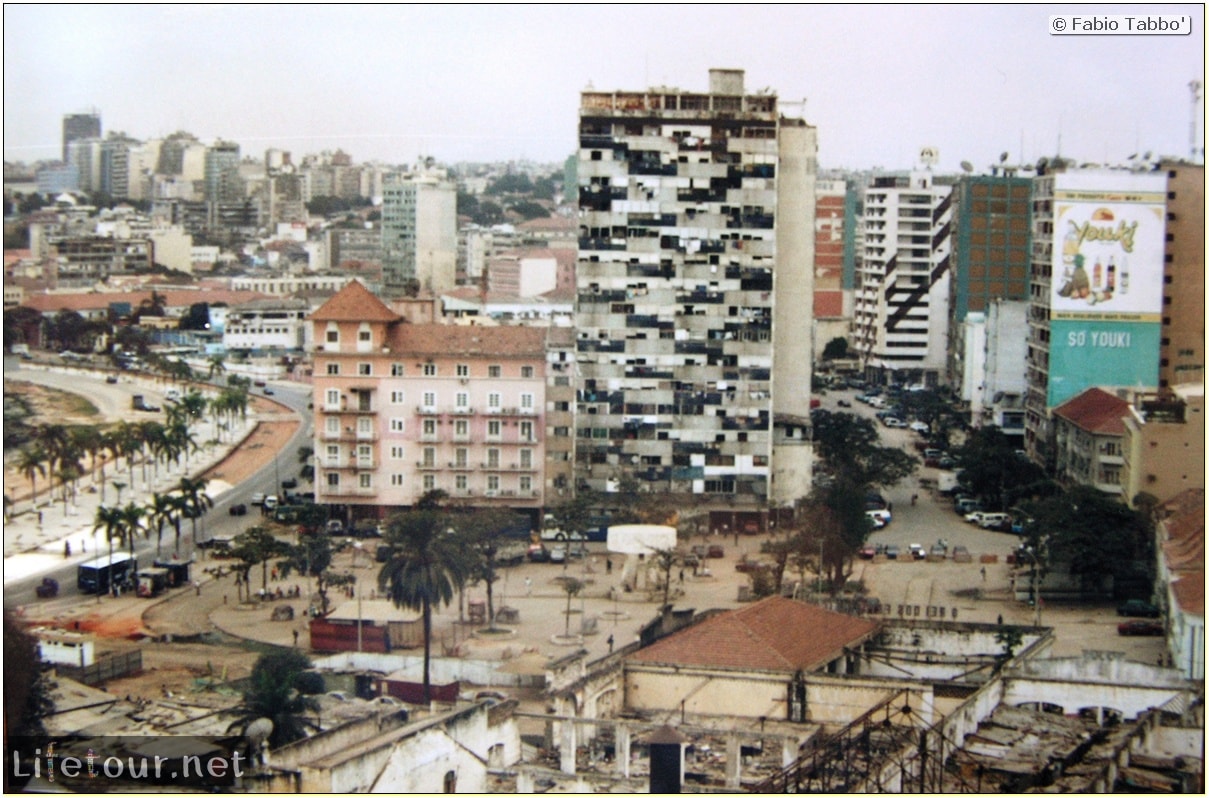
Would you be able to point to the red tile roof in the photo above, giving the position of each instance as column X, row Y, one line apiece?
column 777, row 634
column 828, row 304
column 1096, row 411
column 354, row 302
column 457, row 339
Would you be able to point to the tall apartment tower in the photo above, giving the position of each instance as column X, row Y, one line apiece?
column 419, row 233
column 694, row 287
column 1096, row 290
column 902, row 285
column 80, row 126
column 223, row 183
column 1182, row 347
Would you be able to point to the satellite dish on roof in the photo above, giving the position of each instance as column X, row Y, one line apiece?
column 967, row 166
column 1003, row 157
column 928, row 156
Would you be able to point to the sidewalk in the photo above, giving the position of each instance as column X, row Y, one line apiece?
column 36, row 538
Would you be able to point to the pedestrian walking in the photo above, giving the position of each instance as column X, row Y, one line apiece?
column 66, row 549
column 983, row 571
column 914, row 498
column 528, row 586
column 682, row 576
column 610, row 644
column 999, row 620
column 295, row 638
column 608, row 565
column 39, row 518
column 197, row 586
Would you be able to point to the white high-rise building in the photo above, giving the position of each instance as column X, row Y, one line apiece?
column 696, row 248
column 902, row 281
column 419, row 232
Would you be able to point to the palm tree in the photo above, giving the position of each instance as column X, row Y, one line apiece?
column 54, row 440
column 180, row 508
column 197, row 501
column 87, row 439
column 217, row 366
column 427, row 568
column 273, row 693
column 132, row 523
column 572, row 587
column 31, row 461
column 162, row 511
column 305, row 453
column 109, row 520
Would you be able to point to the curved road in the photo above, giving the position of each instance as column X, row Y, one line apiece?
column 215, row 523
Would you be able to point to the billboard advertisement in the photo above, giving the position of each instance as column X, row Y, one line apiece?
column 1106, row 296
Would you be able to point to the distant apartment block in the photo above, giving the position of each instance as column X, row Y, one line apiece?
column 80, row 126
column 419, row 232
column 689, row 203
column 991, row 248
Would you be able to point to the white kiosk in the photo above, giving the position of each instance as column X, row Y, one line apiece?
column 638, row 542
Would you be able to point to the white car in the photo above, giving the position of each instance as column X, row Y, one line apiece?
column 891, row 421
column 880, row 518
column 920, row 427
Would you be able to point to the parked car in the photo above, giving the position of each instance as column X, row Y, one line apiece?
column 558, row 554
column 257, row 499
column 111, row 379
column 939, row 550
column 961, row 554
column 238, row 509
column 268, row 391
column 289, row 484
column 894, row 423
column 717, row 551
column 843, row 403
column 880, row 518
column 1137, row 608
column 946, row 461
column 270, row 502
column 891, row 551
column 920, row 427
column 917, row 552
column 334, row 527
column 538, row 553
column 867, row 552
column 1141, row 628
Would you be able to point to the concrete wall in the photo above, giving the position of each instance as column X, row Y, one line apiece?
column 478, row 672
column 752, row 694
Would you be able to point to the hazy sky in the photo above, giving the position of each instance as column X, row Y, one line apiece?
column 502, row 82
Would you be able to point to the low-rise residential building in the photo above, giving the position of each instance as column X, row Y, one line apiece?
column 1164, row 443
column 404, row 409
column 276, row 323
column 1088, row 432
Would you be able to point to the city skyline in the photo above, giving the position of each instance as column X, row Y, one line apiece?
column 502, row 83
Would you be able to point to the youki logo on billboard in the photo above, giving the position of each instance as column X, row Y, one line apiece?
column 1122, row 232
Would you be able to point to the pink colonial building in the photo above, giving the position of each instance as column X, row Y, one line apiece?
column 402, row 409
